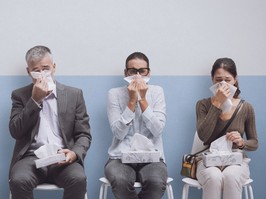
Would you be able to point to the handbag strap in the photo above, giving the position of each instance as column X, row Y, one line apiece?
column 231, row 119
column 225, row 127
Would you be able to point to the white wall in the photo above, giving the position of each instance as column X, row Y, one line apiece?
column 181, row 37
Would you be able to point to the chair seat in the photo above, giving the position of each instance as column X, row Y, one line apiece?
column 192, row 182
column 48, row 187
column 189, row 182
column 106, row 184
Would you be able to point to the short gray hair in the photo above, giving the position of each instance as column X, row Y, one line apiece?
column 36, row 53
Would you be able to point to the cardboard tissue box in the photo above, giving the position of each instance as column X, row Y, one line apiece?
column 48, row 154
column 221, row 154
column 52, row 159
column 214, row 159
column 140, row 156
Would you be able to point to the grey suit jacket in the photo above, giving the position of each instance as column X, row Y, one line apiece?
column 72, row 116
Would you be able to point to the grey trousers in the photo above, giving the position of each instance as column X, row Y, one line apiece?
column 152, row 176
column 24, row 177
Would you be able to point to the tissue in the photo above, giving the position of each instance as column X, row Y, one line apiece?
column 227, row 105
column 142, row 150
column 221, row 154
column 46, row 75
column 48, row 154
column 130, row 78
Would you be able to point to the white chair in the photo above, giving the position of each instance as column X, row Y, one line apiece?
column 105, row 184
column 48, row 187
column 189, row 182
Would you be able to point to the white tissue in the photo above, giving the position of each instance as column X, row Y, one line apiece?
column 221, row 146
column 141, row 143
column 227, row 105
column 130, row 78
column 46, row 150
column 46, row 75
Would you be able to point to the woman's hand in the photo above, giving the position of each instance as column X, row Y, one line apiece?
column 142, row 88
column 236, row 138
column 222, row 93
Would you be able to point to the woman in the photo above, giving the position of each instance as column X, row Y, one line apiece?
column 211, row 118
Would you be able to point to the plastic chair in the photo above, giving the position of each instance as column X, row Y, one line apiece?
column 194, row 183
column 189, row 182
column 105, row 184
column 48, row 187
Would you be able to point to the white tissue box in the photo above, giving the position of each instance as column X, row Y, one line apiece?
column 42, row 162
column 140, row 156
column 212, row 159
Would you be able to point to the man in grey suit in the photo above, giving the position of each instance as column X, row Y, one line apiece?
column 47, row 112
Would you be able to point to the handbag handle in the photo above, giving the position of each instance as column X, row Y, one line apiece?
column 225, row 127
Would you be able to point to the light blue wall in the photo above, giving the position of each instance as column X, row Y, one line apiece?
column 181, row 94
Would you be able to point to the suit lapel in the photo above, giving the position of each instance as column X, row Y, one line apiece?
column 61, row 99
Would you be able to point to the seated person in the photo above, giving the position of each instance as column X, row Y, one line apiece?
column 212, row 116
column 136, row 108
column 47, row 112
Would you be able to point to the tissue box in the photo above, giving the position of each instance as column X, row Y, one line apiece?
column 140, row 156
column 42, row 162
column 212, row 159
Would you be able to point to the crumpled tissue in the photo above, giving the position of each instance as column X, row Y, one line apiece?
column 142, row 150
column 227, row 105
column 130, row 78
column 46, row 75
column 48, row 154
column 221, row 154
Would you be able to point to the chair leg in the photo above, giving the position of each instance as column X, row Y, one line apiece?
column 86, row 196
column 246, row 192
column 185, row 191
column 101, row 191
column 105, row 189
column 169, row 191
column 250, row 191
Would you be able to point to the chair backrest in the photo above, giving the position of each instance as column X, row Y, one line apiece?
column 197, row 144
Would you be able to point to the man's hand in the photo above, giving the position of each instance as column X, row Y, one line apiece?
column 40, row 90
column 70, row 156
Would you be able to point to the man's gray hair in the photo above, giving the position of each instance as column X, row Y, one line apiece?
column 36, row 53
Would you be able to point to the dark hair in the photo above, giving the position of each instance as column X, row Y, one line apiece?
column 138, row 55
column 228, row 65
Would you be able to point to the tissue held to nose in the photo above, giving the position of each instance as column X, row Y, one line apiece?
column 227, row 105
column 45, row 75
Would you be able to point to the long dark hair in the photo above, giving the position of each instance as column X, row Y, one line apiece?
column 228, row 65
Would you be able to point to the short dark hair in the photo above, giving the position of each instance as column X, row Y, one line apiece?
column 228, row 65
column 138, row 55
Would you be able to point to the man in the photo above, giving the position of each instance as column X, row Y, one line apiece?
column 137, row 108
column 47, row 112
